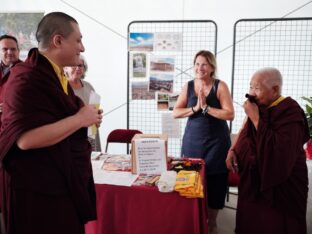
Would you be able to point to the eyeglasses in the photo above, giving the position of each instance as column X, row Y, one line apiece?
column 80, row 66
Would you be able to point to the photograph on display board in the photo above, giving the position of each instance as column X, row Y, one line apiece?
column 162, row 63
column 162, row 82
column 162, row 101
column 170, row 41
column 141, row 41
column 138, row 65
column 140, row 91
column 166, row 101
column 173, row 97
column 23, row 26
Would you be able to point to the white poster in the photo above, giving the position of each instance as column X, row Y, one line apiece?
column 170, row 125
column 168, row 41
column 150, row 156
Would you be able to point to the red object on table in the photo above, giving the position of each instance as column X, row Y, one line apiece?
column 143, row 209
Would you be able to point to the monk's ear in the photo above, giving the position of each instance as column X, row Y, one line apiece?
column 276, row 89
column 57, row 40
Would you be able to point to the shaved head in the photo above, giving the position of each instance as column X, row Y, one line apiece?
column 270, row 77
column 52, row 24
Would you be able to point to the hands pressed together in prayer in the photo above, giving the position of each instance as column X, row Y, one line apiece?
column 201, row 101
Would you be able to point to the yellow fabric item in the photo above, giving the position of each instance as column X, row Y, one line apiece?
column 277, row 101
column 185, row 179
column 188, row 184
column 60, row 74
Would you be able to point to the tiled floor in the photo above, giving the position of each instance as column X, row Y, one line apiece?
column 226, row 217
column 226, row 221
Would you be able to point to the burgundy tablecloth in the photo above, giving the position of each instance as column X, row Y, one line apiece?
column 145, row 210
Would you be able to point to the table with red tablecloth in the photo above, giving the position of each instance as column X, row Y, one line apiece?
column 145, row 210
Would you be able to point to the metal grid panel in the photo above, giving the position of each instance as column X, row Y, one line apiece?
column 196, row 35
column 282, row 43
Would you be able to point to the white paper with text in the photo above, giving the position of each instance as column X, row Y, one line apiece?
column 150, row 156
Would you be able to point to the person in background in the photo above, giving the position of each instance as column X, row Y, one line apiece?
column 268, row 151
column 44, row 147
column 82, row 89
column 9, row 56
column 207, row 103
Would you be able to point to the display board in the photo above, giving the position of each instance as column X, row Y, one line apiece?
column 160, row 62
column 282, row 43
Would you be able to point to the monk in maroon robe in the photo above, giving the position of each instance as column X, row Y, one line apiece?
column 9, row 56
column 271, row 161
column 44, row 147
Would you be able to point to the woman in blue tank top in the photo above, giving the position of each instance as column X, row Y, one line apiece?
column 207, row 103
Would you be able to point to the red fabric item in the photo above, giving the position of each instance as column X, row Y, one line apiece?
column 3, row 81
column 273, row 184
column 233, row 179
column 143, row 209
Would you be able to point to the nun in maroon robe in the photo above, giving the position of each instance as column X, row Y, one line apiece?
column 273, row 172
column 53, row 185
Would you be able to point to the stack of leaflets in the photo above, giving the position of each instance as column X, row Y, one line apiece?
column 117, row 163
column 149, row 180
column 188, row 184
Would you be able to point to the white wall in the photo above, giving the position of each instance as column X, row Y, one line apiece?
column 104, row 28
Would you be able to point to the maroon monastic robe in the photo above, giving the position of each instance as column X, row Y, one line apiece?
column 3, row 81
column 61, row 175
column 273, row 172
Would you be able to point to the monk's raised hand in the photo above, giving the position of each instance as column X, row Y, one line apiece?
column 89, row 115
column 100, row 112
column 252, row 111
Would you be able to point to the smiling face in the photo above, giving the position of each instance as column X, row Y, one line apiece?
column 59, row 38
column 202, row 68
column 71, row 47
column 75, row 72
column 9, row 53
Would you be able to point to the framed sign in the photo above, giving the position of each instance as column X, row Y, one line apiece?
column 149, row 154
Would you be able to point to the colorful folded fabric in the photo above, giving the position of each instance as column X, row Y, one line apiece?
column 188, row 184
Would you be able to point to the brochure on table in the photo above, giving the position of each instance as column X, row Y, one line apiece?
column 121, row 178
